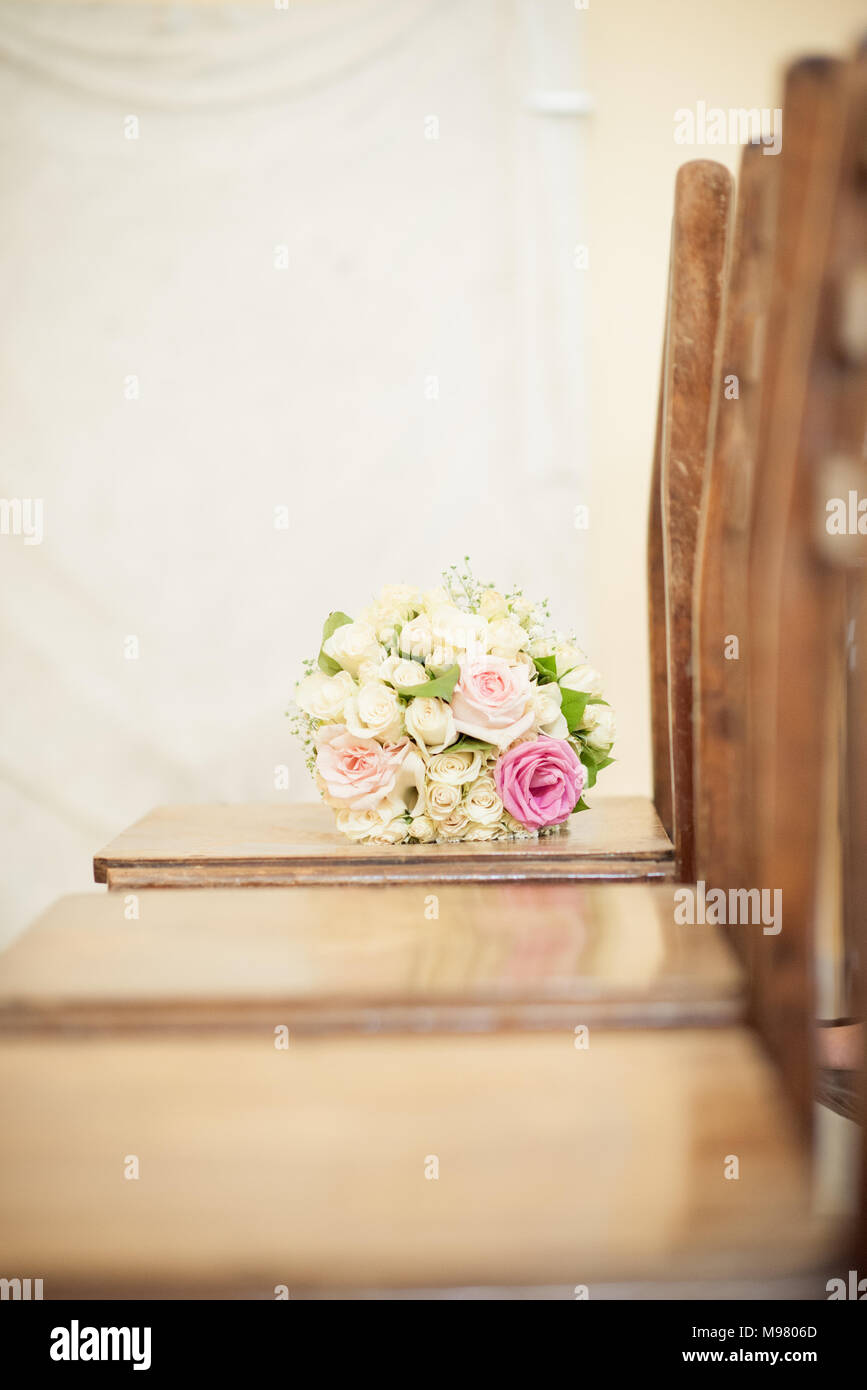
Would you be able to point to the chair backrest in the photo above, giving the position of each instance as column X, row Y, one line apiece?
column 813, row 420
column 697, row 269
column 721, row 640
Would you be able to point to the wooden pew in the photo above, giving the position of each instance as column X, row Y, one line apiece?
column 621, row 837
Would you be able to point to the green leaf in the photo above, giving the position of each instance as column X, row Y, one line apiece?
column 581, row 805
column 547, row 668
column 440, row 687
column 597, row 700
column 470, row 745
column 332, row 623
column 599, row 757
column 573, row 705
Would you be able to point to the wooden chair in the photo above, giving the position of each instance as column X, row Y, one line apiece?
column 621, row 837
column 369, row 1088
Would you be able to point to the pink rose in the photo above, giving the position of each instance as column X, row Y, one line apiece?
column 360, row 773
column 491, row 701
column 540, row 782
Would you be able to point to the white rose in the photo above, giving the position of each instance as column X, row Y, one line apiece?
column 394, row 833
column 584, row 678
column 402, row 598
column 516, row 831
column 492, row 605
column 375, row 712
column 324, row 697
column 457, row 631
column 422, row 829
column 431, row 723
column 434, row 598
column 441, row 799
column 567, row 656
column 416, row 638
column 601, row 726
column 369, row 671
column 454, row 769
column 547, row 702
column 506, row 638
column 524, row 610
column 482, row 804
column 484, row 832
column 360, row 825
column 401, row 673
column 454, row 825
column 541, row 646
column 351, row 644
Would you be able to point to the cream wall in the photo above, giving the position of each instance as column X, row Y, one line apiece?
column 643, row 62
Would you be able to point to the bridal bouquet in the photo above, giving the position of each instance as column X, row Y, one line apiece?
column 457, row 713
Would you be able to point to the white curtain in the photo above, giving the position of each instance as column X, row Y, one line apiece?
column 320, row 257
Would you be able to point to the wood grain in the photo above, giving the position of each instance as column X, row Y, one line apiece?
column 318, row 960
column 261, row 845
column 307, row 1167
column 656, row 617
column 700, row 236
column 722, row 576
column 796, row 615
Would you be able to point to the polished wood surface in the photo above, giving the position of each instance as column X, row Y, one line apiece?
column 369, row 959
column 656, row 617
column 262, row 844
column 722, row 810
column 813, row 410
column 699, row 249
column 306, row 1167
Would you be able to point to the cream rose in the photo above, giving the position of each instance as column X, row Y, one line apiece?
column 392, row 833
column 441, row 798
column 416, row 638
column 454, row 769
column 568, row 655
column 401, row 673
column 361, row 825
column 601, row 726
column 492, row 605
column 422, row 829
column 492, row 700
column 506, row 638
column 430, row 722
column 584, row 678
column 482, row 804
column 375, row 712
column 485, row 832
column 453, row 826
column 455, row 631
column 547, row 711
column 403, row 598
column 434, row 598
column 324, row 697
column 351, row 644
column 525, row 610
column 541, row 646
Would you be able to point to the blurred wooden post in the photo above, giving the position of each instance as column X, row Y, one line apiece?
column 699, row 249
column 813, row 428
